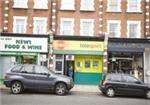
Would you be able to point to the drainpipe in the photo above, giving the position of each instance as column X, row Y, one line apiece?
column 105, row 55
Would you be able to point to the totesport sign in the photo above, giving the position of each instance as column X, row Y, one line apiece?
column 66, row 45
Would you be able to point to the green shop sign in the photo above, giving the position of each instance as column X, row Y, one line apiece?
column 23, row 44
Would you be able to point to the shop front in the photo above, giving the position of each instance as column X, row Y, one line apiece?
column 21, row 49
column 83, row 57
column 127, row 56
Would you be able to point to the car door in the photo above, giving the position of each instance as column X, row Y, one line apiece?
column 28, row 76
column 44, row 79
column 133, row 85
column 116, row 82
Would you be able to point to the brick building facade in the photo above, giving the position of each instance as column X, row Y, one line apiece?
column 87, row 18
column 96, row 16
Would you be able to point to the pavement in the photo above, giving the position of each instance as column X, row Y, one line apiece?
column 78, row 88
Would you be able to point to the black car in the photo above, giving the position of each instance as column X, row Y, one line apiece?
column 123, row 84
column 29, row 76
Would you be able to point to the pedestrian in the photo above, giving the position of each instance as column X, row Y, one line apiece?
column 71, row 72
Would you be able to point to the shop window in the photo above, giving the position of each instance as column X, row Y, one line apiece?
column 79, row 64
column 95, row 64
column 87, row 64
column 59, row 65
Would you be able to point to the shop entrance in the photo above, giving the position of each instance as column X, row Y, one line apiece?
column 70, row 69
column 26, row 59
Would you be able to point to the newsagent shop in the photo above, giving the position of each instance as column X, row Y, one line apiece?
column 84, row 55
column 22, row 49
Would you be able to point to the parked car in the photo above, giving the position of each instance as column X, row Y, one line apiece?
column 30, row 76
column 123, row 84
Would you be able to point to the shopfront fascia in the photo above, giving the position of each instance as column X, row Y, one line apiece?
column 127, row 56
column 86, row 57
column 22, row 49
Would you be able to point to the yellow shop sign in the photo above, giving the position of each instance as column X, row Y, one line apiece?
column 78, row 45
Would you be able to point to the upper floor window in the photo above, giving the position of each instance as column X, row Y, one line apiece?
column 39, row 25
column 87, row 5
column 67, row 4
column 113, row 5
column 87, row 27
column 40, row 4
column 19, row 24
column 20, row 4
column 66, row 27
column 113, row 28
column 134, row 6
column 134, row 29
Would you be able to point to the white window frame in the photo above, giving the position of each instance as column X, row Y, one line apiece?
column 40, row 4
column 14, row 23
column 68, row 6
column 72, row 25
column 85, row 8
column 34, row 24
column 24, row 4
column 139, row 6
column 139, row 28
column 119, row 27
column 92, row 26
column 110, row 9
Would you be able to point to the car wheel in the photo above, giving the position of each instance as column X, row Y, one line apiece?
column 16, row 87
column 110, row 92
column 60, row 89
column 148, row 94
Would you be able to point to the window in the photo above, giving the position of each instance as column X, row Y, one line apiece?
column 40, row 4
column 134, row 6
column 27, row 69
column 130, row 79
column 67, row 26
column 114, row 78
column 41, row 70
column 87, row 27
column 20, row 4
column 19, row 24
column 87, row 5
column 40, row 25
column 113, row 28
column 95, row 64
column 134, row 29
column 67, row 5
column 87, row 64
column 16, row 68
column 79, row 64
column 113, row 5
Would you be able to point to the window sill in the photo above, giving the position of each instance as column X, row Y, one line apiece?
column 140, row 12
column 18, row 7
column 67, row 9
column 40, row 8
column 114, row 11
column 88, row 10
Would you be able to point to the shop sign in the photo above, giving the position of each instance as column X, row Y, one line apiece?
column 23, row 44
column 78, row 45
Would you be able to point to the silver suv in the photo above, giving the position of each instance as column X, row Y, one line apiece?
column 30, row 76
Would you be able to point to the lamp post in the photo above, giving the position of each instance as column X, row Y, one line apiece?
column 105, row 56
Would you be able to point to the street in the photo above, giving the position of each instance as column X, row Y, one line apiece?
column 73, row 98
